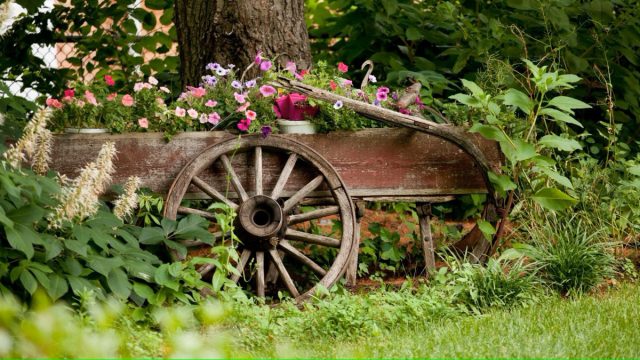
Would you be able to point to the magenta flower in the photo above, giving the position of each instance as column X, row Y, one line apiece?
column 211, row 103
column 381, row 96
column 265, row 65
column 258, row 58
column 68, row 95
column 127, row 100
column 108, row 79
column 383, row 89
column 244, row 124
column 180, row 112
column 267, row 90
column 294, row 107
column 214, row 118
column 250, row 114
column 193, row 113
column 342, row 67
column 266, row 131
column 240, row 98
column 143, row 122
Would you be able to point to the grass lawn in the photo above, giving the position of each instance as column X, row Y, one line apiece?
column 604, row 326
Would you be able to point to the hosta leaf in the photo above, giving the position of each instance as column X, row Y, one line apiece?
column 553, row 199
column 119, row 283
column 151, row 236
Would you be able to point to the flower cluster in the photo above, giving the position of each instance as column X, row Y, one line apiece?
column 99, row 105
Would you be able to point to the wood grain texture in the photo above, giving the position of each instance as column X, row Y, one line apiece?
column 373, row 162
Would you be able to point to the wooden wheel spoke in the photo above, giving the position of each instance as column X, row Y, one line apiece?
column 191, row 243
column 209, row 190
column 315, row 214
column 258, row 170
column 244, row 257
column 300, row 194
column 290, row 249
column 284, row 176
column 260, row 273
column 187, row 210
column 235, row 180
column 311, row 238
column 286, row 278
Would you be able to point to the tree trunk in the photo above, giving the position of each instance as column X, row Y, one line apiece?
column 233, row 31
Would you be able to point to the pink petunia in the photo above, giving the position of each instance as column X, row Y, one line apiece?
column 243, row 107
column 180, row 112
column 127, row 100
column 54, row 103
column 251, row 115
column 193, row 113
column 240, row 98
column 342, row 67
column 381, row 96
column 211, row 103
column 69, row 93
column 164, row 89
column 112, row 96
column 91, row 99
column 258, row 58
column 347, row 83
column 291, row 67
column 265, row 65
column 198, row 92
column 153, row 81
column 138, row 86
column 383, row 89
column 214, row 118
column 267, row 90
column 143, row 122
column 109, row 80
column 243, row 125
column 203, row 118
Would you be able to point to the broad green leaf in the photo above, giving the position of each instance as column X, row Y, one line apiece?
column 519, row 99
column 79, row 285
column 414, row 34
column 218, row 280
column 151, row 236
column 473, row 87
column 487, row 229
column 553, row 199
column 502, row 182
column 466, row 100
column 557, row 177
column 119, row 283
column 635, row 170
column 560, row 116
column 21, row 238
column 57, row 286
column 518, row 151
column 535, row 70
column 192, row 226
column 4, row 219
column 104, row 265
column 163, row 278
column 560, row 143
column 28, row 281
column 567, row 103
column 489, row 131
column 77, row 247
column 143, row 290
column 390, row 6
column 26, row 215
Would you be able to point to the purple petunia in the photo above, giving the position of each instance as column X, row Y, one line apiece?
column 266, row 131
column 213, row 66
column 265, row 65
column 250, row 83
column 210, row 80
column 236, row 84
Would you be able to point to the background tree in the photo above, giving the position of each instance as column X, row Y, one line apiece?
column 232, row 32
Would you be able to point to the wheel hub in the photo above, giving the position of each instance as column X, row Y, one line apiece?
column 260, row 219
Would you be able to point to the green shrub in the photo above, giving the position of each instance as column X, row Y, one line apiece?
column 571, row 257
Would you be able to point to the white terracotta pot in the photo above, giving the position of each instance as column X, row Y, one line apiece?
column 85, row 131
column 296, row 127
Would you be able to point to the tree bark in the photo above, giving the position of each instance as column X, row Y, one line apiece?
column 233, row 31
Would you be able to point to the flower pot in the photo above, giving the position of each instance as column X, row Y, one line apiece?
column 86, row 131
column 296, row 127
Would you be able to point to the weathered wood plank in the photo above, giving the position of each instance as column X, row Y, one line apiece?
column 373, row 163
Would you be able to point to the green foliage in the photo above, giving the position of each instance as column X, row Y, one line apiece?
column 527, row 126
column 105, row 38
column 431, row 41
column 570, row 256
column 101, row 254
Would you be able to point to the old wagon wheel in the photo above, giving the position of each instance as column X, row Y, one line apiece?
column 266, row 182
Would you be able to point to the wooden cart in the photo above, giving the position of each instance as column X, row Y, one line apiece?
column 280, row 183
